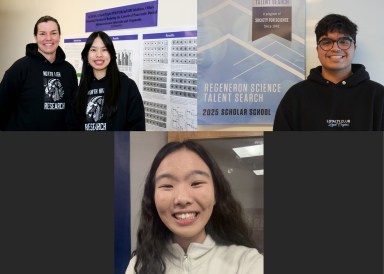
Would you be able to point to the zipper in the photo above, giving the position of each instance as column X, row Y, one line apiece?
column 186, row 264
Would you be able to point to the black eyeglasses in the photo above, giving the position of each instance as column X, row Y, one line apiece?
column 343, row 43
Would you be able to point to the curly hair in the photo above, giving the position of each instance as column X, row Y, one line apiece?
column 153, row 235
column 112, row 90
column 335, row 22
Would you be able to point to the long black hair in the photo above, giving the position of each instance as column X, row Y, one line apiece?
column 153, row 235
column 112, row 78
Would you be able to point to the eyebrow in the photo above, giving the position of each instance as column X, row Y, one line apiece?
column 47, row 30
column 341, row 37
column 173, row 177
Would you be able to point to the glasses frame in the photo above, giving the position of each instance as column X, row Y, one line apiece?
column 337, row 42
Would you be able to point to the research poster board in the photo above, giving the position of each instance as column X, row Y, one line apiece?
column 163, row 63
column 250, row 54
column 170, row 80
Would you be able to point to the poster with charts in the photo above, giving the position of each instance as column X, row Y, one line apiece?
column 250, row 54
column 170, row 80
column 163, row 63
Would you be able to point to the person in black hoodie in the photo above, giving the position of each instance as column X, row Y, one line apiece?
column 106, row 99
column 36, row 91
column 337, row 95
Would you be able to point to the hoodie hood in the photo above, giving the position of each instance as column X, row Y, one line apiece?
column 32, row 51
column 359, row 75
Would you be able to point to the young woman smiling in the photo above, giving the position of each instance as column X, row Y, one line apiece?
column 339, row 94
column 190, row 222
column 107, row 99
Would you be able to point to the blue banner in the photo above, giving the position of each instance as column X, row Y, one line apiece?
column 124, row 37
column 133, row 16
column 75, row 40
column 249, row 54
column 168, row 35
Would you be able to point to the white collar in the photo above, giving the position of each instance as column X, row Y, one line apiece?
column 194, row 251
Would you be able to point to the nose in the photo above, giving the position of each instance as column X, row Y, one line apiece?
column 182, row 197
column 335, row 47
column 98, row 53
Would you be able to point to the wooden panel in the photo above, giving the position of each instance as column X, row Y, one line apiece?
column 180, row 136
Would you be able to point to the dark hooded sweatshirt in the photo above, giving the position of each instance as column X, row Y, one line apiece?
column 35, row 94
column 129, row 116
column 357, row 103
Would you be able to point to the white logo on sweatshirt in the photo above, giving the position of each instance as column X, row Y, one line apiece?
column 338, row 123
column 54, row 89
column 94, row 110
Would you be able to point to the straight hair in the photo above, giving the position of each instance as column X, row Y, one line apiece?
column 113, row 86
column 45, row 19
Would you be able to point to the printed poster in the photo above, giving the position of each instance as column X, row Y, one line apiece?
column 249, row 54
column 163, row 63
column 170, row 80
column 126, row 17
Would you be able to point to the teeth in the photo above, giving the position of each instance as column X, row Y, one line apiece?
column 184, row 216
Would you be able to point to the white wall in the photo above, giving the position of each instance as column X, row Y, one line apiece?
column 143, row 149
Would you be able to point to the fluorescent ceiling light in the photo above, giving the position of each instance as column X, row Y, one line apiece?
column 259, row 172
column 249, row 151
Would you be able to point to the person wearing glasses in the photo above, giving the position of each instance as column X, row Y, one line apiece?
column 337, row 95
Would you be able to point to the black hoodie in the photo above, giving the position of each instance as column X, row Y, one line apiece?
column 35, row 94
column 129, row 116
column 357, row 103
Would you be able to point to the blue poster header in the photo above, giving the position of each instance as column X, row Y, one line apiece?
column 125, row 37
column 113, row 38
column 126, row 17
column 168, row 35
column 75, row 40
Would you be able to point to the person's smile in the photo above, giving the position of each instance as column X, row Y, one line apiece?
column 185, row 218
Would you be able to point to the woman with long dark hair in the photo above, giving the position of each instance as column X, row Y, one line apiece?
column 106, row 99
column 190, row 221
